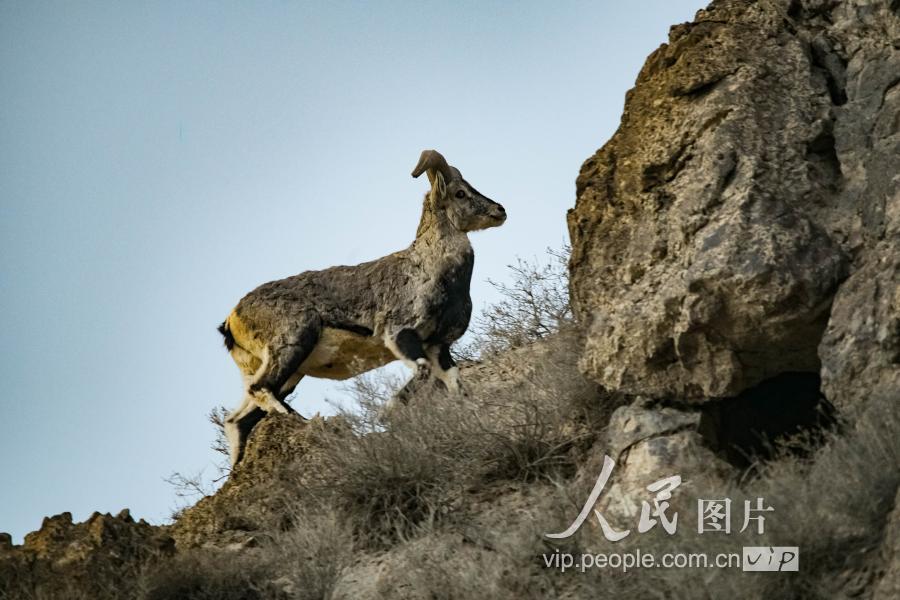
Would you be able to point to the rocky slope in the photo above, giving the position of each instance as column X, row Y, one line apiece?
column 735, row 274
column 76, row 560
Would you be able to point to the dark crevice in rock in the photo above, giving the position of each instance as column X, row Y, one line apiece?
column 701, row 88
column 822, row 159
column 714, row 121
column 808, row 12
column 888, row 89
column 623, row 454
column 835, row 91
column 664, row 354
column 756, row 424
column 729, row 176
column 611, row 178
column 825, row 60
column 660, row 173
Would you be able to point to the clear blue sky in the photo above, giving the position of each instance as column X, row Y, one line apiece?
column 160, row 159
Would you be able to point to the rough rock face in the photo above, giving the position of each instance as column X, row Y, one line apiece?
column 889, row 584
column 258, row 493
column 63, row 557
column 861, row 348
column 754, row 170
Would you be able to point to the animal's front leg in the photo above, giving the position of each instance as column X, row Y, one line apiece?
column 407, row 346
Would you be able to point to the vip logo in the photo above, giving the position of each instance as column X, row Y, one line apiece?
column 771, row 558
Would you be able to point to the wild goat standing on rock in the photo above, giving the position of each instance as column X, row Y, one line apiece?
column 343, row 321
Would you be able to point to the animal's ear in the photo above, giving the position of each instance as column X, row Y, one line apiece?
column 433, row 163
column 438, row 185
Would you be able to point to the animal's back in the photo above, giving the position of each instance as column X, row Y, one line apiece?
column 340, row 297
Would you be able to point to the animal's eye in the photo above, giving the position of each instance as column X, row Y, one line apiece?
column 460, row 194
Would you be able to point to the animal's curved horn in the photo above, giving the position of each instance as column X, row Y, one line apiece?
column 431, row 160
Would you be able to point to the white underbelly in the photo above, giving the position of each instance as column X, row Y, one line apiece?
column 340, row 354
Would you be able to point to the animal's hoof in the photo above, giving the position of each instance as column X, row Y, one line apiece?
column 423, row 369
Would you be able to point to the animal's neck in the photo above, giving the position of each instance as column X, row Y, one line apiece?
column 436, row 231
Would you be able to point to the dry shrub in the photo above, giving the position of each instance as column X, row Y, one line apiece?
column 388, row 481
column 457, row 570
column 208, row 574
column 415, row 463
column 302, row 563
column 835, row 506
column 539, row 427
column 310, row 557
column 534, row 305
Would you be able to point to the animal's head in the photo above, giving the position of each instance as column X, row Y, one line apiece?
column 465, row 207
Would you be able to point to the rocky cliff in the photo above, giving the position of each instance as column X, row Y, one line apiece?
column 743, row 220
column 735, row 244
column 735, row 280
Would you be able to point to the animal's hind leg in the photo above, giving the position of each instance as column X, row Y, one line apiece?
column 243, row 427
column 270, row 384
column 238, row 425
column 277, row 377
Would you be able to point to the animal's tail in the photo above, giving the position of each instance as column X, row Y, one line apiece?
column 226, row 333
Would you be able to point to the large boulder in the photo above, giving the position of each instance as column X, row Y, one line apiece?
column 754, row 170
